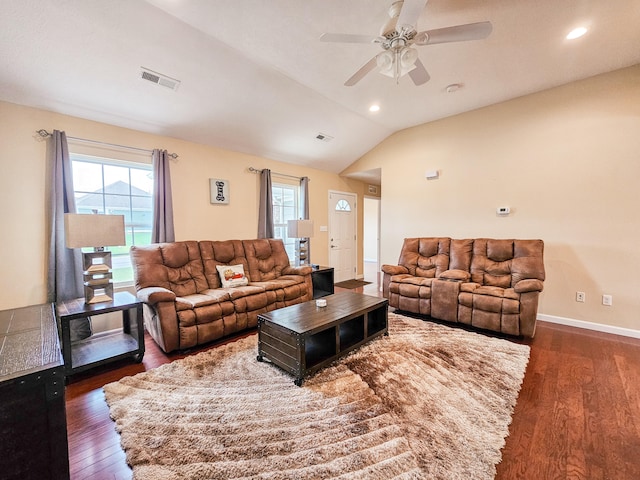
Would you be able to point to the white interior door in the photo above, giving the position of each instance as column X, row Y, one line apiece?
column 342, row 235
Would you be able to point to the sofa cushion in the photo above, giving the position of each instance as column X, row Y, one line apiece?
column 226, row 252
column 496, row 292
column 266, row 257
column 460, row 253
column 195, row 300
column 410, row 279
column 491, row 262
column 425, row 257
column 412, row 287
column 276, row 284
column 219, row 294
column 528, row 261
column 239, row 292
column 175, row 266
column 503, row 263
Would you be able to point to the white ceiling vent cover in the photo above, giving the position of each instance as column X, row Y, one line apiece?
column 323, row 137
column 159, row 79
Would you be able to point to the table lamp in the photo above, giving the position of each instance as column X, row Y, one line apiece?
column 94, row 230
column 302, row 230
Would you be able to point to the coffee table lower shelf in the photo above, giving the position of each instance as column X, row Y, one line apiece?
column 303, row 338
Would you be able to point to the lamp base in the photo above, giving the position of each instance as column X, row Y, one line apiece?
column 98, row 287
column 98, row 293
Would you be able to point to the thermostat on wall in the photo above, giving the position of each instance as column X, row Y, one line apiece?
column 503, row 210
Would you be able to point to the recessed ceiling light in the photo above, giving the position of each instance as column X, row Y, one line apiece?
column 454, row 87
column 374, row 108
column 576, row 33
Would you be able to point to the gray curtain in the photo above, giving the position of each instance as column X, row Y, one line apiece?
column 64, row 274
column 265, row 212
column 162, row 230
column 304, row 208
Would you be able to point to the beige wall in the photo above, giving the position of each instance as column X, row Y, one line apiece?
column 22, row 194
column 567, row 162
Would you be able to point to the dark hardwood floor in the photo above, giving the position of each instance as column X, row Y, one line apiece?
column 577, row 416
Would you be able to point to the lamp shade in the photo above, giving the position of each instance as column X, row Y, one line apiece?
column 88, row 230
column 300, row 228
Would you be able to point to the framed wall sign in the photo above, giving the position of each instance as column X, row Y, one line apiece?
column 219, row 191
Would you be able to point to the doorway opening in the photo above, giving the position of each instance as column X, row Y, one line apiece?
column 371, row 240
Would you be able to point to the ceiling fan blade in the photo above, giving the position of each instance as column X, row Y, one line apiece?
column 419, row 75
column 348, row 38
column 458, row 33
column 411, row 10
column 359, row 75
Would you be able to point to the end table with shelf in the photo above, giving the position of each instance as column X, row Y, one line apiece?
column 102, row 348
column 322, row 279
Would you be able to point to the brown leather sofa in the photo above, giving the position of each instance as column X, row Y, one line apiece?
column 185, row 303
column 487, row 283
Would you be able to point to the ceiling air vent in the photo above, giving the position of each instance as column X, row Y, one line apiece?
column 323, row 137
column 159, row 79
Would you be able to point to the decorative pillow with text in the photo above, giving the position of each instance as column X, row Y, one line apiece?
column 232, row 275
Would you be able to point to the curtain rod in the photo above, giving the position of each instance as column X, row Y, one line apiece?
column 257, row 170
column 44, row 134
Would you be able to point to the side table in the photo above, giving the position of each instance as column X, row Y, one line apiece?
column 102, row 348
column 322, row 279
column 33, row 425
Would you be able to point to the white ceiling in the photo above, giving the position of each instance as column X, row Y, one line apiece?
column 256, row 79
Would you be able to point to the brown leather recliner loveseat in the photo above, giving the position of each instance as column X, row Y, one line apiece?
column 185, row 303
column 491, row 284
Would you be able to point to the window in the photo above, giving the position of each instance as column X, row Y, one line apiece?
column 285, row 207
column 116, row 187
column 343, row 206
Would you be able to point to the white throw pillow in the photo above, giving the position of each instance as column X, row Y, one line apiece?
column 232, row 275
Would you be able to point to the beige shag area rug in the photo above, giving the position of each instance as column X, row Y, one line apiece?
column 426, row 402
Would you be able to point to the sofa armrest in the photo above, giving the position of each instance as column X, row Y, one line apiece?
column 528, row 285
column 302, row 270
column 455, row 275
column 394, row 269
column 153, row 295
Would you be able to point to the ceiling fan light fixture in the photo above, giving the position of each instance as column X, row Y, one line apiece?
column 408, row 57
column 385, row 62
column 395, row 63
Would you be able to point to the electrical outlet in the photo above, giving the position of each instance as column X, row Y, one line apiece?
column 581, row 297
column 607, row 300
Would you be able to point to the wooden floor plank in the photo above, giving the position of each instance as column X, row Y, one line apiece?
column 577, row 415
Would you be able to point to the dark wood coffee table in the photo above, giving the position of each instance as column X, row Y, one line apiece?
column 304, row 338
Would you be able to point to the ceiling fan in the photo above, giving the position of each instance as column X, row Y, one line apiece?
column 398, row 37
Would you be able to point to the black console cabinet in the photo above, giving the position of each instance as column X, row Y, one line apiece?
column 33, row 425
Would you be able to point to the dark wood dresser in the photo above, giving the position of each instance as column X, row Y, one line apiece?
column 33, row 426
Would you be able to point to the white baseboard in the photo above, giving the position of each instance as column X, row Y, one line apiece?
column 599, row 327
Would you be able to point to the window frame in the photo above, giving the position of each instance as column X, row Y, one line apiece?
column 120, row 255
column 289, row 243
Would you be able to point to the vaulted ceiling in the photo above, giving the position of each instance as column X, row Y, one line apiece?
column 255, row 78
